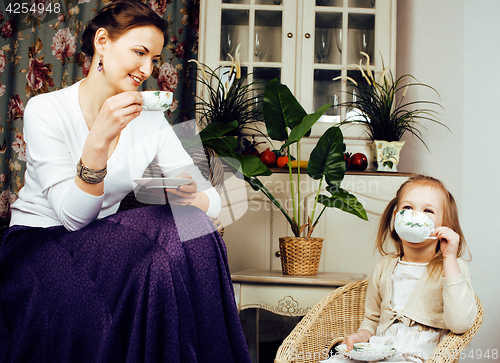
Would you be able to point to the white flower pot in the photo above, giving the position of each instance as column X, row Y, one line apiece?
column 386, row 154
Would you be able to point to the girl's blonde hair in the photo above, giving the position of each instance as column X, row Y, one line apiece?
column 450, row 220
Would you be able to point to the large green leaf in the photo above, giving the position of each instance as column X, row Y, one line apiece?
column 217, row 129
column 248, row 165
column 327, row 158
column 281, row 110
column 252, row 166
column 213, row 135
column 344, row 201
column 227, row 143
column 304, row 128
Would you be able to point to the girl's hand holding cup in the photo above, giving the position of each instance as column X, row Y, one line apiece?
column 449, row 241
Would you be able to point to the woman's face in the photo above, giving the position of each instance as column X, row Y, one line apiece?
column 128, row 60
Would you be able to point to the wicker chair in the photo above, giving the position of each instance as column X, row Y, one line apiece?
column 338, row 315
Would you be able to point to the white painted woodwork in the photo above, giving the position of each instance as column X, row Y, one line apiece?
column 252, row 240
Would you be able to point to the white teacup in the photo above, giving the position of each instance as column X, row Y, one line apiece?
column 156, row 100
column 413, row 226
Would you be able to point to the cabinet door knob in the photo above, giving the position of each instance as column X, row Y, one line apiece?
column 307, row 35
column 290, row 35
column 278, row 253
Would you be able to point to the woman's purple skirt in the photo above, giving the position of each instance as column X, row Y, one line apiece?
column 122, row 289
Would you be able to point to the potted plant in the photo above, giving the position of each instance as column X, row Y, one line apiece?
column 226, row 108
column 287, row 121
column 381, row 106
column 227, row 97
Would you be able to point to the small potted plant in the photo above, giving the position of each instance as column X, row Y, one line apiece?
column 226, row 108
column 381, row 106
column 227, row 97
column 287, row 121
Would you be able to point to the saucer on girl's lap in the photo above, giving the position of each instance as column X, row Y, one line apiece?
column 367, row 352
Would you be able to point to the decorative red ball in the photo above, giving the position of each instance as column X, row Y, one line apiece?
column 358, row 162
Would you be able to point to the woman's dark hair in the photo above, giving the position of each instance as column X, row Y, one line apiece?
column 119, row 17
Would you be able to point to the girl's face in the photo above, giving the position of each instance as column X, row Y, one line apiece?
column 129, row 60
column 425, row 199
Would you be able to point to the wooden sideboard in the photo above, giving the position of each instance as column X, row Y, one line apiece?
column 252, row 240
column 281, row 295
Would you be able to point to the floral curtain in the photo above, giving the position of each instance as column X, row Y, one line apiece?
column 40, row 52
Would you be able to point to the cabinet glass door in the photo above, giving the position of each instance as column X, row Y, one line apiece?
column 361, row 31
column 328, row 36
column 370, row 4
column 336, row 33
column 234, row 33
column 257, row 29
column 327, row 56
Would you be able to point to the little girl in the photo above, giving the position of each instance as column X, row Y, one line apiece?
column 418, row 293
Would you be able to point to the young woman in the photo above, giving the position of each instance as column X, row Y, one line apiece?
column 423, row 290
column 82, row 283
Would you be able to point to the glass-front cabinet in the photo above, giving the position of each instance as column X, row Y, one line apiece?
column 305, row 43
column 336, row 34
column 257, row 29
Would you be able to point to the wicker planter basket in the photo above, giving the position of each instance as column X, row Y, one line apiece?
column 300, row 255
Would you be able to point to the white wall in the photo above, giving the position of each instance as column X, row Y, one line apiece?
column 430, row 47
column 453, row 46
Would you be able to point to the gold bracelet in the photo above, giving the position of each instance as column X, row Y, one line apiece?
column 88, row 175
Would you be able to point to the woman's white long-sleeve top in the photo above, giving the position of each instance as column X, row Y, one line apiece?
column 55, row 132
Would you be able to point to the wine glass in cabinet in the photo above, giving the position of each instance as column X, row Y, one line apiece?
column 264, row 32
column 335, row 32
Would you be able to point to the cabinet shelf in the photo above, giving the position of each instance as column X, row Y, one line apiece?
column 349, row 172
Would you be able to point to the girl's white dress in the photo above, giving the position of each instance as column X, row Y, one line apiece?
column 414, row 343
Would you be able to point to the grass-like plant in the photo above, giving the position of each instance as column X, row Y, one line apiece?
column 383, row 108
column 227, row 97
column 226, row 106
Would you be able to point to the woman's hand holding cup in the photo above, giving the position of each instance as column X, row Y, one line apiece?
column 116, row 113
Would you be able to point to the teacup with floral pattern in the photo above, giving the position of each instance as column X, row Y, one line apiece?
column 156, row 100
column 413, row 226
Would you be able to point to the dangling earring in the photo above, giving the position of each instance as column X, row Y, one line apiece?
column 99, row 65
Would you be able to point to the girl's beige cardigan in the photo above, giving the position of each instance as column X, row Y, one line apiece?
column 438, row 302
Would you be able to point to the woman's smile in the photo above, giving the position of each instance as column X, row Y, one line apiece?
column 137, row 80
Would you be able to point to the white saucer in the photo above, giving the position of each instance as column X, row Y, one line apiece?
column 157, row 182
column 367, row 352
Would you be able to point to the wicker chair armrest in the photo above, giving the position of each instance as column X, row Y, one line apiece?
column 449, row 349
column 337, row 315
